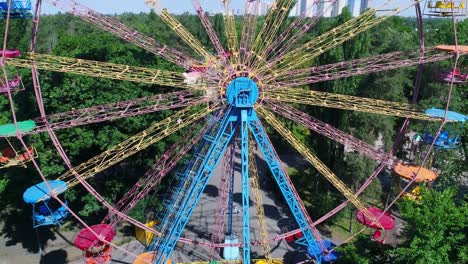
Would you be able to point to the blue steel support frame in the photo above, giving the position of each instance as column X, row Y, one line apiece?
column 245, row 184
column 274, row 164
column 175, row 226
column 231, row 202
column 241, row 94
column 187, row 176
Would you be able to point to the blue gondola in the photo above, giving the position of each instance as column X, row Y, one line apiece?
column 19, row 9
column 327, row 257
column 443, row 140
column 46, row 211
column 451, row 116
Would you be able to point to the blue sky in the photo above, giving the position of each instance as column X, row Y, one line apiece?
column 175, row 6
column 136, row 6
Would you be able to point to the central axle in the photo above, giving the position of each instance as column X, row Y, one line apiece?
column 242, row 92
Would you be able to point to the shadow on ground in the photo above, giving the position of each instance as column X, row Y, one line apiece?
column 238, row 199
column 55, row 257
column 294, row 257
column 18, row 229
column 211, row 190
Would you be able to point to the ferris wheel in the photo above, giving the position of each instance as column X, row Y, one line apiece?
column 232, row 93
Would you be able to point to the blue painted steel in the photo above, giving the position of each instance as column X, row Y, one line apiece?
column 44, row 215
column 329, row 257
column 245, row 184
column 242, row 92
column 443, row 141
column 19, row 9
column 39, row 196
column 451, row 116
column 275, row 166
column 174, row 193
column 231, row 206
column 40, row 191
column 174, row 225
column 186, row 177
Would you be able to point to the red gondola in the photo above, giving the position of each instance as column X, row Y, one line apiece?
column 456, row 75
column 10, row 53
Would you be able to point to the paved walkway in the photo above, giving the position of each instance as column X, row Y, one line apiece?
column 58, row 248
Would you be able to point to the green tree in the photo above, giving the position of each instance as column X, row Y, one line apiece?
column 364, row 251
column 435, row 230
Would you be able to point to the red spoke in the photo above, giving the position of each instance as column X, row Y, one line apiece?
column 327, row 130
column 221, row 204
column 101, row 113
column 119, row 29
column 249, row 29
column 209, row 29
column 153, row 177
column 294, row 33
column 394, row 60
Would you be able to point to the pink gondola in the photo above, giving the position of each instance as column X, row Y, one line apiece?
column 14, row 85
column 10, row 53
column 447, row 76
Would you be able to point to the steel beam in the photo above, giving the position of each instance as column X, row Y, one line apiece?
column 173, row 227
column 245, row 185
column 287, row 189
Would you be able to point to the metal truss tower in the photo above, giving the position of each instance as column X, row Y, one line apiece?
column 242, row 95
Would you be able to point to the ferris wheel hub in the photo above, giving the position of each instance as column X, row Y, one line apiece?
column 242, row 92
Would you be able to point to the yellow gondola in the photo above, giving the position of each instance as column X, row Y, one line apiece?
column 446, row 8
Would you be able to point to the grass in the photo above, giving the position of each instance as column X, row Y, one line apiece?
column 339, row 229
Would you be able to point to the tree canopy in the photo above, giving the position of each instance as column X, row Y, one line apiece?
column 435, row 229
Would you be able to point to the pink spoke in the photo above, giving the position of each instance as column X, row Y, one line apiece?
column 117, row 28
column 351, row 68
column 278, row 12
column 340, row 207
column 153, row 177
column 249, row 29
column 294, row 33
column 212, row 35
column 209, row 29
column 221, row 204
column 101, row 113
column 179, row 197
column 327, row 130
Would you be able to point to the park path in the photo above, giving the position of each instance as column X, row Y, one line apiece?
column 57, row 247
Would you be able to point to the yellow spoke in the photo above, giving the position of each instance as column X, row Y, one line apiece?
column 249, row 29
column 182, row 32
column 348, row 102
column 135, row 144
column 253, row 171
column 278, row 12
column 231, row 32
column 305, row 54
column 383, row 62
column 315, row 161
column 101, row 70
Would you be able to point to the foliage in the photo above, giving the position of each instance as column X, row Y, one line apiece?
column 65, row 35
column 435, row 230
column 364, row 251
